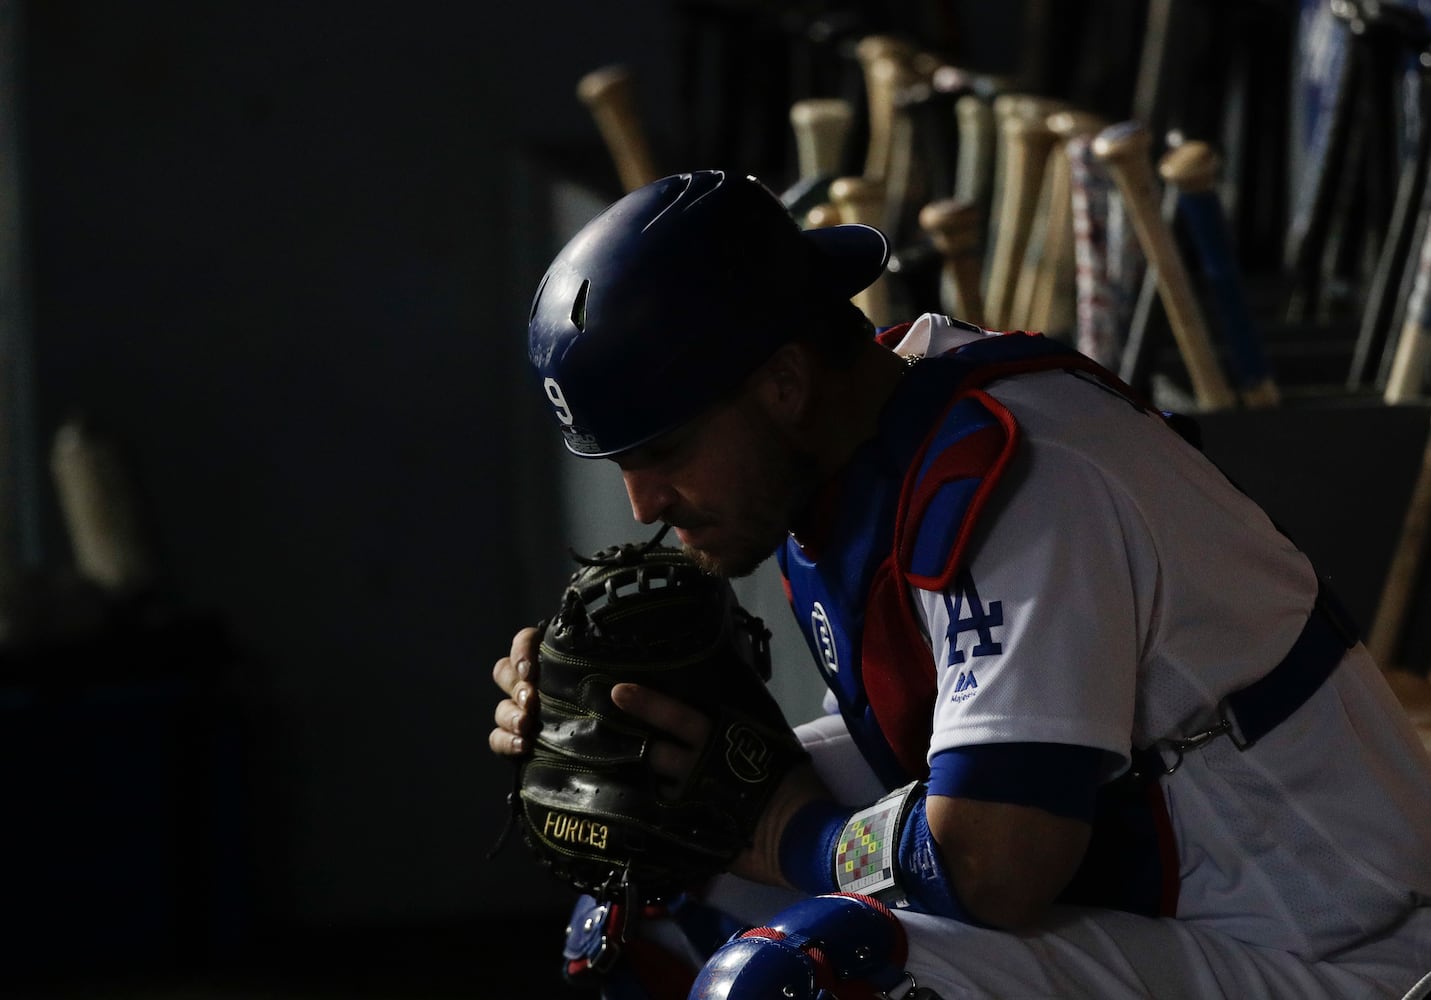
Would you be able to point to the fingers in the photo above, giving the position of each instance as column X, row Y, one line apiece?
column 504, row 742
column 661, row 711
column 516, row 715
column 688, row 728
column 516, row 666
column 515, row 673
column 515, row 726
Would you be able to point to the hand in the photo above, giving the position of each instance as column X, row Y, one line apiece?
column 516, row 715
column 673, row 761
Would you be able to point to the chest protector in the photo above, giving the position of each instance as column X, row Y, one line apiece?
column 903, row 514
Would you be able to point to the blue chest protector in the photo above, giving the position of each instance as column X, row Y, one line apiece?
column 902, row 517
column 905, row 508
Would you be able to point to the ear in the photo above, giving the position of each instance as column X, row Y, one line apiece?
column 785, row 384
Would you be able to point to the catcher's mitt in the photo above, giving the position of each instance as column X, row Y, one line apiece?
column 590, row 807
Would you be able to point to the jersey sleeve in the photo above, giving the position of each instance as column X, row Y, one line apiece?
column 1036, row 638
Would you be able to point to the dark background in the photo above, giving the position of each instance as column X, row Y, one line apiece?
column 283, row 254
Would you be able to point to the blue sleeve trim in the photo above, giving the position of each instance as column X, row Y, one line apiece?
column 807, row 846
column 1056, row 777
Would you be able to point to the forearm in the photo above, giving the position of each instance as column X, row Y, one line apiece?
column 1006, row 863
column 968, row 851
column 761, row 862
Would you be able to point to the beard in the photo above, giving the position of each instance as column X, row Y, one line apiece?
column 780, row 481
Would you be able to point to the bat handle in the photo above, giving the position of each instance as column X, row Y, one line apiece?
column 1124, row 147
column 609, row 94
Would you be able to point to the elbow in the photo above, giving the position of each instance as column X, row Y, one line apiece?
column 1007, row 864
column 1003, row 903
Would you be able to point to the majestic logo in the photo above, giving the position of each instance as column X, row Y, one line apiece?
column 574, row 830
column 746, row 754
column 965, row 686
column 824, row 638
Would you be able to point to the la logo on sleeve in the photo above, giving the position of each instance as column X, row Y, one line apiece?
column 967, row 613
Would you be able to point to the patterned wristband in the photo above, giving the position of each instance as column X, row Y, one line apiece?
column 867, row 852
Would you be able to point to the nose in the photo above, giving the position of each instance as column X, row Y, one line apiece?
column 649, row 494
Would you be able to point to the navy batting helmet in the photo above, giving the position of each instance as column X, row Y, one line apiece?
column 673, row 294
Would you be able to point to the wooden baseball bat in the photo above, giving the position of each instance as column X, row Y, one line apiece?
column 1051, row 195
column 953, row 227
column 1001, row 107
column 822, row 127
column 974, row 166
column 1407, row 378
column 1192, row 169
column 1096, row 321
column 1025, row 142
column 609, row 94
column 1384, row 636
column 100, row 506
column 1043, row 298
column 859, row 199
column 1124, row 148
column 883, row 60
column 1147, row 319
column 1052, row 300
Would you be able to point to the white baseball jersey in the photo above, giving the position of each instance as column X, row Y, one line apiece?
column 1118, row 587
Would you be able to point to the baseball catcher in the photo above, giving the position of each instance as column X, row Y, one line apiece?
column 590, row 807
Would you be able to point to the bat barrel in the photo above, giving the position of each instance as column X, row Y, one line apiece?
column 1124, row 147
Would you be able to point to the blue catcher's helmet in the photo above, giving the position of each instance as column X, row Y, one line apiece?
column 672, row 295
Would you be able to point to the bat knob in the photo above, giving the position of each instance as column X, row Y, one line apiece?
column 1122, row 141
column 604, row 83
column 952, row 224
column 1066, row 124
column 1192, row 166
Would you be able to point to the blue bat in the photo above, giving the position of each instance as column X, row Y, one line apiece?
column 1192, row 167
